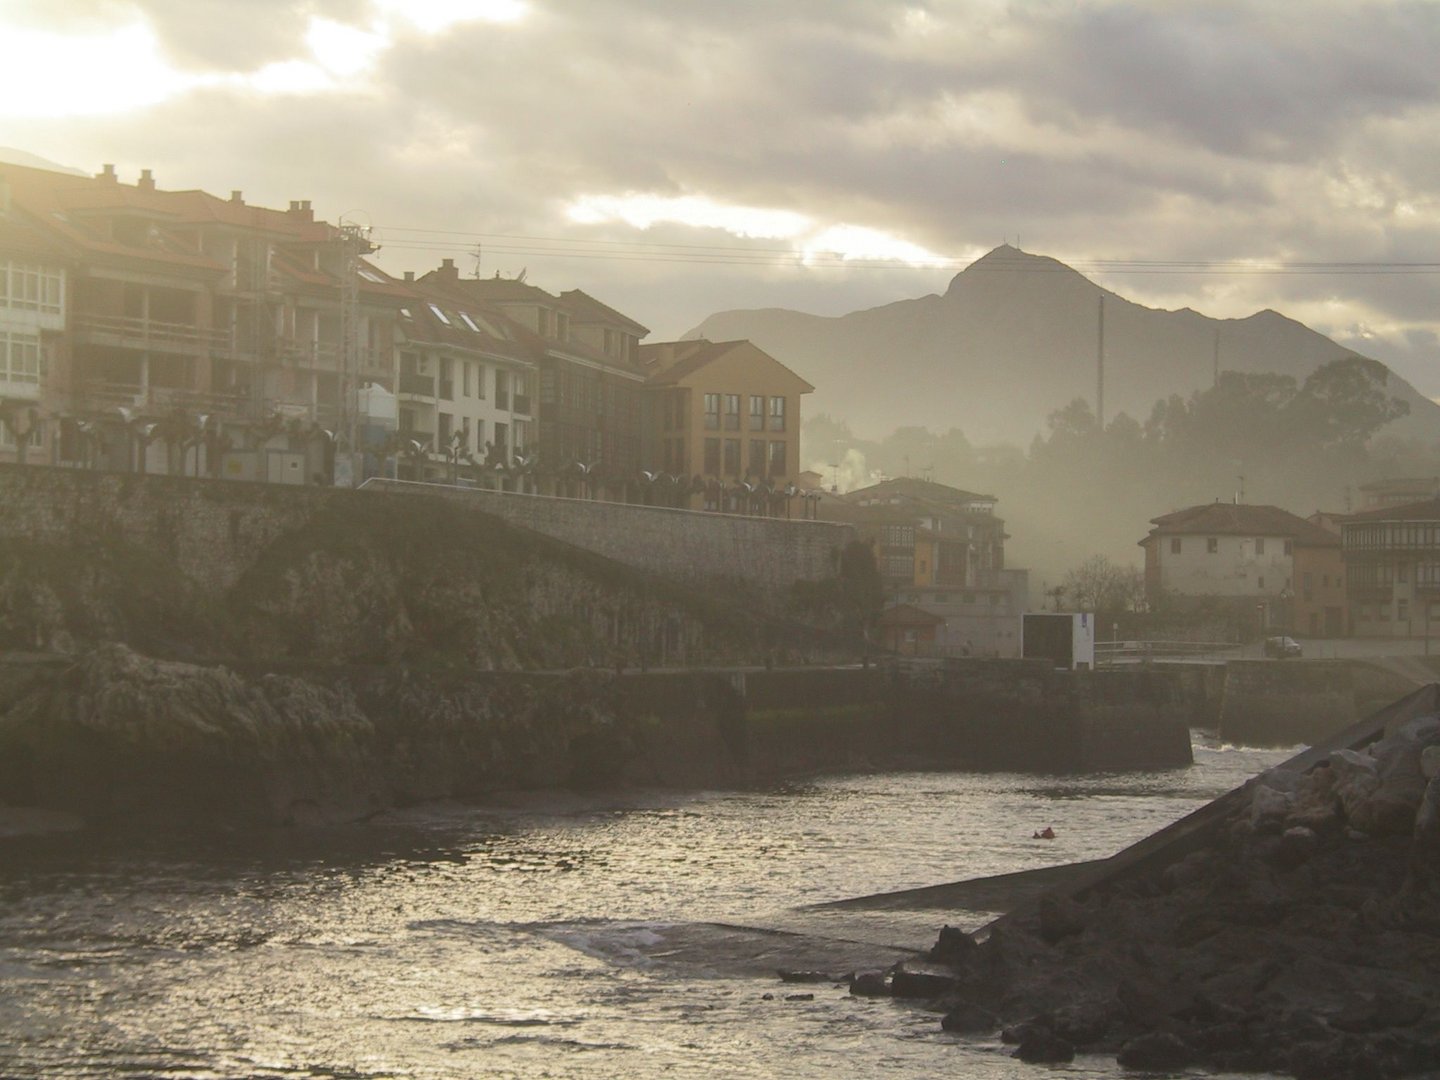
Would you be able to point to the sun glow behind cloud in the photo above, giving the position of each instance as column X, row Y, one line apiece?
column 99, row 74
column 813, row 242
column 123, row 66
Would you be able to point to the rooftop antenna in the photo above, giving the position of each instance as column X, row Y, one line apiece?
column 479, row 250
column 1241, row 497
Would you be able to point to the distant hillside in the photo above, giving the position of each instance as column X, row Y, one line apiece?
column 9, row 155
column 1013, row 339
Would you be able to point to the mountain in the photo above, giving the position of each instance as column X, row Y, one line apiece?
column 9, row 155
column 1015, row 338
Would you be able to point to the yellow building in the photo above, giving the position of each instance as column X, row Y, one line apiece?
column 724, row 422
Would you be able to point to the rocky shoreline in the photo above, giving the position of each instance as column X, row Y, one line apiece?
column 1298, row 932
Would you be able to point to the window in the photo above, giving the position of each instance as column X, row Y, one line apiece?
column 1175, row 545
column 732, row 412
column 480, row 373
column 732, row 457
column 756, row 466
column 468, row 321
column 712, row 457
column 1289, row 547
column 30, row 287
column 777, row 414
column 1212, row 545
column 712, row 412
column 777, row 458
column 447, row 380
column 1259, row 545
column 1260, row 583
column 442, row 433
column 1324, row 580
column 1402, row 573
column 757, row 413
column 20, row 360
column 469, row 375
column 439, row 314
column 1402, row 609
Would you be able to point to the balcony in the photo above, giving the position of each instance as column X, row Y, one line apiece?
column 447, row 389
column 522, row 404
column 422, row 385
column 101, row 396
column 502, row 399
column 150, row 334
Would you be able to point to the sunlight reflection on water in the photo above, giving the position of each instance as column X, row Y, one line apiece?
column 534, row 940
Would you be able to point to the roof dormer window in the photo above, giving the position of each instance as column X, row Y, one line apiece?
column 439, row 314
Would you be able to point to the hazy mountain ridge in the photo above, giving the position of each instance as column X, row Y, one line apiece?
column 1014, row 338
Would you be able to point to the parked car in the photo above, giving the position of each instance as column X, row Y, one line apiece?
column 1281, row 647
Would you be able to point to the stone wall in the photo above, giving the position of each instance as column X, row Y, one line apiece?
column 687, row 545
column 210, row 528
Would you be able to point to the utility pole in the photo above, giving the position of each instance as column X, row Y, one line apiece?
column 1100, row 369
column 354, row 242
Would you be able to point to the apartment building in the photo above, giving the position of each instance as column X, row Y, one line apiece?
column 724, row 426
column 205, row 335
column 32, row 319
column 588, row 426
column 1262, row 562
column 1392, row 567
column 465, row 405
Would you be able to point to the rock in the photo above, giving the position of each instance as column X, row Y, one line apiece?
column 1060, row 917
column 968, row 1018
column 1297, row 844
column 1025, row 1029
column 1390, row 809
column 1345, row 1057
column 799, row 997
column 954, row 947
column 870, row 984
column 1268, row 806
column 919, row 984
column 1316, row 806
column 1430, row 762
column 805, row 976
column 1044, row 1047
column 1223, row 1038
column 1157, row 1051
column 1086, row 1022
column 1190, row 870
column 1355, row 780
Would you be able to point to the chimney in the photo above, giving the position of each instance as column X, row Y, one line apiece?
column 237, row 198
column 448, row 271
column 107, row 173
column 410, row 275
column 146, row 181
column 301, row 209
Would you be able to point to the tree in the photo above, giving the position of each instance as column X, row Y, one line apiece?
column 1343, row 403
column 1100, row 585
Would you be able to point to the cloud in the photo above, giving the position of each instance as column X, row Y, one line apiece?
column 1196, row 129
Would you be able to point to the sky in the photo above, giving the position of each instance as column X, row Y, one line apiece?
column 680, row 157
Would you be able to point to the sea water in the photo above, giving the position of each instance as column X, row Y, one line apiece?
column 553, row 936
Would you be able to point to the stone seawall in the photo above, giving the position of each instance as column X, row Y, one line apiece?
column 686, row 545
column 117, row 737
column 1287, row 702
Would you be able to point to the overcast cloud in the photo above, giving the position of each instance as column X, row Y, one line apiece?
column 1091, row 130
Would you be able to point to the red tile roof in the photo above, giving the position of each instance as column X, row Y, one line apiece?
column 1241, row 519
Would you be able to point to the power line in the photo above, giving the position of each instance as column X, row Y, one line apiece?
column 532, row 246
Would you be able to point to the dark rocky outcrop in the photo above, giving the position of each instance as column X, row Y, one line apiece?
column 1301, row 935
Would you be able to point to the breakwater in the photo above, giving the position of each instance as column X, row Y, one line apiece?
column 115, row 736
